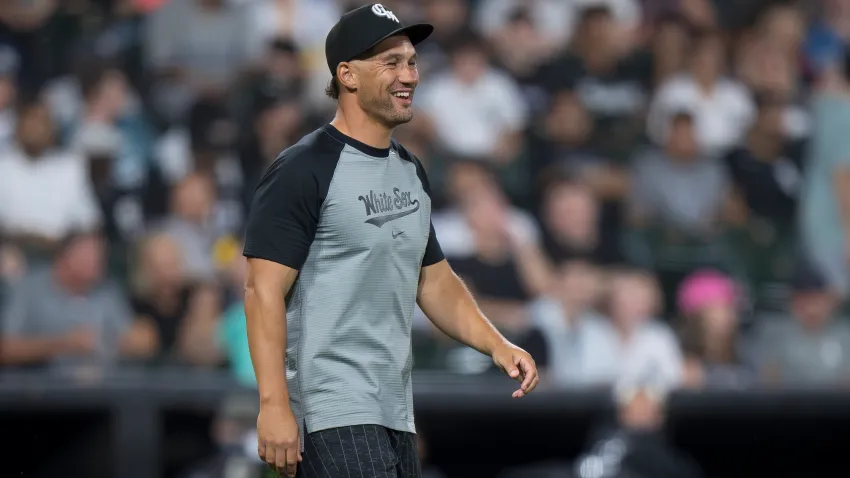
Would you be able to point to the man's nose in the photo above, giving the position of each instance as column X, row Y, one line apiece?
column 409, row 76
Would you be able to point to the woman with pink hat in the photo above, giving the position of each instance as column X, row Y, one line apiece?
column 708, row 302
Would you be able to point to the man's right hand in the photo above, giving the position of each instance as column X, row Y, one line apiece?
column 278, row 443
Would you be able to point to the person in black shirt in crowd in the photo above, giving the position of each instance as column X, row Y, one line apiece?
column 125, row 209
column 571, row 224
column 213, row 135
column 767, row 169
column 767, row 172
column 507, row 267
column 612, row 84
column 184, row 313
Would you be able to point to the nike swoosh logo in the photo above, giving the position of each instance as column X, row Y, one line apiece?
column 380, row 221
column 397, row 234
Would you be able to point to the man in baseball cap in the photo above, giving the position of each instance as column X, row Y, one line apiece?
column 344, row 207
column 361, row 34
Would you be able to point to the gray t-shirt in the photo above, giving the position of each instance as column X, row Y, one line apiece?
column 38, row 307
column 355, row 221
column 688, row 196
column 805, row 357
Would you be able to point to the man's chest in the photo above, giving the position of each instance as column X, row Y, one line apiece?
column 376, row 206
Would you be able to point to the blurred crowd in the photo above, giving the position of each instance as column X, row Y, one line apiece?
column 637, row 191
column 659, row 186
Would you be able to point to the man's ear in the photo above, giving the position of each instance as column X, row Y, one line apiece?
column 347, row 74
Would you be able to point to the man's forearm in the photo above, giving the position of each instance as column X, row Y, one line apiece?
column 26, row 351
column 451, row 307
column 266, row 319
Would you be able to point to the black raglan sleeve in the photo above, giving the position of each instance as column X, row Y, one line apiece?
column 284, row 212
column 433, row 251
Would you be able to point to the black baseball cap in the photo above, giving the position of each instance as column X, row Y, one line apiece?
column 364, row 27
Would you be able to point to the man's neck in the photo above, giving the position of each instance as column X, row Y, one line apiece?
column 356, row 124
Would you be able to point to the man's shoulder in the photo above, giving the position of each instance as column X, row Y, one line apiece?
column 315, row 145
column 316, row 152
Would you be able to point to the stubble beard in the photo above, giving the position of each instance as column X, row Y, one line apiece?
column 384, row 110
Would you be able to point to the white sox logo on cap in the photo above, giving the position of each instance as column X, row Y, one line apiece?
column 380, row 11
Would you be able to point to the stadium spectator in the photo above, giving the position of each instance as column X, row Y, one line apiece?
column 304, row 22
column 695, row 199
column 613, row 82
column 507, row 268
column 521, row 49
column 825, row 205
column 571, row 223
column 278, row 124
column 281, row 75
column 125, row 210
column 563, row 146
column 826, row 42
column 810, row 345
column 562, row 139
column 767, row 169
column 716, row 351
column 570, row 341
column 552, row 19
column 783, row 24
column 196, row 48
column 23, row 24
column 648, row 348
column 208, row 144
column 670, row 47
column 450, row 18
column 188, row 224
column 45, row 191
column 68, row 313
column 466, row 179
column 721, row 106
column 476, row 110
column 182, row 313
column 107, row 103
column 767, row 62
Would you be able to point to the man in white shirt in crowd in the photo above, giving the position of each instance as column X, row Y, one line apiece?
column 44, row 192
column 477, row 111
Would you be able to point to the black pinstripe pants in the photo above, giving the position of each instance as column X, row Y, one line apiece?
column 360, row 451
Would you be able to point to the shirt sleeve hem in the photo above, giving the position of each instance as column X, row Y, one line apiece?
column 280, row 259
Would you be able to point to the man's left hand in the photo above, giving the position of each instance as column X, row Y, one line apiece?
column 517, row 364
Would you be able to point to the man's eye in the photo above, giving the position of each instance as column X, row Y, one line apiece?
column 392, row 63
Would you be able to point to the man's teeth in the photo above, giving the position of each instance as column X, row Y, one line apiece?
column 402, row 94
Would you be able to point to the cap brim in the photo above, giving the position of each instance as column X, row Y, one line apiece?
column 417, row 33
